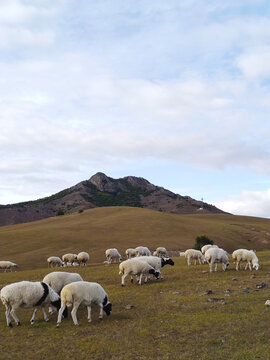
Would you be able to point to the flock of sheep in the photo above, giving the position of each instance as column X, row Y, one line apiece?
column 212, row 254
column 61, row 290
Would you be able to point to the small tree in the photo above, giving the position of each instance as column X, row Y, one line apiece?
column 80, row 211
column 202, row 240
column 60, row 212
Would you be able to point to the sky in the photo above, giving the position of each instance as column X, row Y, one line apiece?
column 177, row 92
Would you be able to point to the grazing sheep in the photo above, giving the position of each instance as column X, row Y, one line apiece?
column 28, row 294
column 161, row 252
column 195, row 255
column 136, row 267
column 58, row 279
column 113, row 254
column 246, row 255
column 206, row 247
column 142, row 251
column 8, row 265
column 83, row 293
column 215, row 256
column 54, row 261
column 156, row 262
column 130, row 253
column 82, row 258
column 69, row 258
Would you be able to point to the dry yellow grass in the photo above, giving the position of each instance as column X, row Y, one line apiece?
column 95, row 230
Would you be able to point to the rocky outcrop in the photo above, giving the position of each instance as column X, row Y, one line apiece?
column 101, row 190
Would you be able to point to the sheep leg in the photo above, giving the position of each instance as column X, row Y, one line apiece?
column 8, row 316
column 32, row 320
column 237, row 265
column 140, row 279
column 249, row 264
column 210, row 267
column 45, row 315
column 101, row 311
column 89, row 313
column 131, row 279
column 15, row 317
column 51, row 311
column 216, row 267
column 74, row 313
column 60, row 313
column 123, row 279
column 195, row 262
column 188, row 261
column 199, row 261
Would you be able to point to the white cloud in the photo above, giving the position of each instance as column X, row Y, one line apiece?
column 255, row 64
column 253, row 203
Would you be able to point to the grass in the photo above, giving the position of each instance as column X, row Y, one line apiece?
column 171, row 319
column 95, row 230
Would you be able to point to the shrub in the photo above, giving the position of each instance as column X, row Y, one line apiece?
column 60, row 212
column 80, row 211
column 202, row 240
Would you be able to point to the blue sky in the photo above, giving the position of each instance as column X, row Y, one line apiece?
column 175, row 92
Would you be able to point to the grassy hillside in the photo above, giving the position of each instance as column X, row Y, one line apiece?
column 171, row 319
column 95, row 230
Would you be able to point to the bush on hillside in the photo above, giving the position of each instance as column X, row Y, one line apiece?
column 202, row 240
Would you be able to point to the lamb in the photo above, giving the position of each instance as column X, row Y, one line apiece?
column 69, row 258
column 195, row 255
column 54, row 261
column 112, row 254
column 136, row 267
column 58, row 279
column 82, row 258
column 8, row 265
column 206, row 247
column 215, row 256
column 130, row 253
column 84, row 293
column 160, row 252
column 246, row 255
column 142, row 251
column 28, row 294
column 156, row 262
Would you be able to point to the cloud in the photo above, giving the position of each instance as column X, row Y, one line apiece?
column 252, row 203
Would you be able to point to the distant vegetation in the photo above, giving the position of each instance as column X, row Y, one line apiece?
column 202, row 240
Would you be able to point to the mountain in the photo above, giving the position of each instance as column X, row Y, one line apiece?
column 99, row 191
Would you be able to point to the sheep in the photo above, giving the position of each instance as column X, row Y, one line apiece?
column 160, row 252
column 136, row 267
column 206, row 247
column 215, row 256
column 142, row 251
column 156, row 262
column 69, row 258
column 130, row 253
column 245, row 255
column 58, row 279
column 83, row 293
column 8, row 265
column 112, row 254
column 82, row 258
column 28, row 294
column 54, row 261
column 195, row 255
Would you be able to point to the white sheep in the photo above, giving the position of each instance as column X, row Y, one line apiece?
column 8, row 265
column 58, row 279
column 246, row 255
column 136, row 267
column 206, row 247
column 69, row 258
column 156, row 262
column 130, row 253
column 194, row 255
column 113, row 254
column 82, row 258
column 215, row 256
column 160, row 252
column 142, row 251
column 54, row 261
column 28, row 294
column 83, row 293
